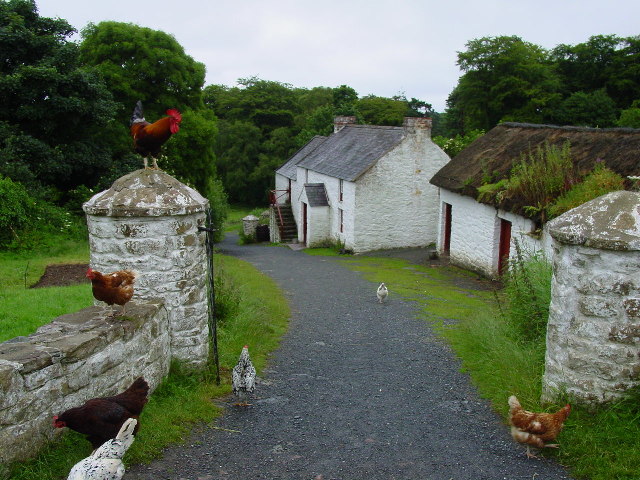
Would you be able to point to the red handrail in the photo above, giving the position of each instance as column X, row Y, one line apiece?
column 274, row 202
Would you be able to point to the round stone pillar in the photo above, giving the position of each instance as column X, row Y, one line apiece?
column 593, row 335
column 148, row 222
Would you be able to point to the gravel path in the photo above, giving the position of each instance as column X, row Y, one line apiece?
column 357, row 390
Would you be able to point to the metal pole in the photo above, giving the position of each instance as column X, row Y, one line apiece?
column 211, row 297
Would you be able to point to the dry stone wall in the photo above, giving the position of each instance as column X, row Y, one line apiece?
column 76, row 357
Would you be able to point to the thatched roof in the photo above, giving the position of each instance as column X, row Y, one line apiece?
column 504, row 145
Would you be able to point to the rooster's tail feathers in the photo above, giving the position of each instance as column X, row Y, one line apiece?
column 137, row 114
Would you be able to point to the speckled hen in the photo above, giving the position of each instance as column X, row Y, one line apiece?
column 105, row 463
column 243, row 377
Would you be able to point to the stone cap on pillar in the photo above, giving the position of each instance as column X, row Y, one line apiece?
column 146, row 193
column 609, row 222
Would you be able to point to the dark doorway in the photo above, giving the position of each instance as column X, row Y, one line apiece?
column 446, row 247
column 505, row 245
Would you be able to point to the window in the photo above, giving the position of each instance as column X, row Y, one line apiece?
column 306, row 176
column 341, row 189
column 341, row 220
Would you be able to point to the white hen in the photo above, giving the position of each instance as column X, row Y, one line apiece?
column 105, row 463
column 382, row 293
column 243, row 377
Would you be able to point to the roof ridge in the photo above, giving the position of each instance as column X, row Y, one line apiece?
column 568, row 127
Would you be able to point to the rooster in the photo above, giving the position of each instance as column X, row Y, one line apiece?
column 105, row 463
column 243, row 377
column 113, row 288
column 535, row 429
column 382, row 293
column 148, row 138
column 100, row 419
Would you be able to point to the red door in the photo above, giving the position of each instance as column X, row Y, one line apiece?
column 505, row 244
column 304, row 223
column 447, row 229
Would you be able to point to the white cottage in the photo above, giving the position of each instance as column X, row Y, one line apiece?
column 365, row 186
column 480, row 236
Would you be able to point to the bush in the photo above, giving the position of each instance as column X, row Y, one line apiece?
column 599, row 181
column 219, row 204
column 528, row 292
column 27, row 222
column 16, row 210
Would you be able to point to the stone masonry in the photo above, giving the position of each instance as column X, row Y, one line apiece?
column 593, row 335
column 76, row 357
column 148, row 222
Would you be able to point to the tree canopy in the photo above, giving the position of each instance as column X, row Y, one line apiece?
column 507, row 79
column 53, row 105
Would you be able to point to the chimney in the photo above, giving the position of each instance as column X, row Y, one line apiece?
column 340, row 122
column 413, row 125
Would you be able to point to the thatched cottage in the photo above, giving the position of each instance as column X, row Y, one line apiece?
column 480, row 236
column 365, row 186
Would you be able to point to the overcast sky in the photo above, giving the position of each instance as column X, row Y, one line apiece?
column 380, row 47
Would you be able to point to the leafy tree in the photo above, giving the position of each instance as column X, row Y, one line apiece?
column 604, row 61
column 190, row 153
column 382, row 111
column 504, row 78
column 630, row 117
column 139, row 63
column 53, row 107
column 595, row 109
column 344, row 100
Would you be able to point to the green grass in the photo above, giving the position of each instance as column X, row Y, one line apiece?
column 599, row 445
column 22, row 309
column 237, row 213
column 184, row 400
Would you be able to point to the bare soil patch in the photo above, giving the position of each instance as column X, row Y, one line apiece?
column 62, row 275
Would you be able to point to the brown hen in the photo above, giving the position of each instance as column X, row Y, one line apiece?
column 112, row 288
column 535, row 429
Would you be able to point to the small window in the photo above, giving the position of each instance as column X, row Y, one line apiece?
column 341, row 189
column 341, row 220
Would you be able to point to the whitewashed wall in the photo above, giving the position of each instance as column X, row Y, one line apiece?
column 475, row 234
column 396, row 206
column 148, row 222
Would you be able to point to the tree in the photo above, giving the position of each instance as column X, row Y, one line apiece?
column 53, row 107
column 382, row 111
column 139, row 63
column 630, row 117
column 594, row 109
column 504, row 78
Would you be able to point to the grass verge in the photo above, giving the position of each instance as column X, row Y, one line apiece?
column 258, row 317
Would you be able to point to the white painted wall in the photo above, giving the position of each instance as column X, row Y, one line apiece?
column 396, row 206
column 475, row 234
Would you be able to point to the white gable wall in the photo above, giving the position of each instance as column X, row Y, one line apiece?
column 282, row 183
column 396, row 206
column 475, row 234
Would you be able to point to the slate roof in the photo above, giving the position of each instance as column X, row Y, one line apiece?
column 316, row 194
column 503, row 145
column 350, row 152
column 288, row 169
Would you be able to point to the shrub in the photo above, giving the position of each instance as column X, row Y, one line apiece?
column 528, row 293
column 16, row 210
column 453, row 146
column 599, row 181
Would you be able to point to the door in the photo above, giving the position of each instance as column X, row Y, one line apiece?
column 304, row 223
column 446, row 244
column 505, row 245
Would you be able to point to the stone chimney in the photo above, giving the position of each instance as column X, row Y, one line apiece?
column 342, row 121
column 413, row 125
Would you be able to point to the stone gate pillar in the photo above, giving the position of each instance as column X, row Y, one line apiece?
column 147, row 221
column 593, row 336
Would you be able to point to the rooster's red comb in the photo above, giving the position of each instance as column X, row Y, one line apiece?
column 172, row 112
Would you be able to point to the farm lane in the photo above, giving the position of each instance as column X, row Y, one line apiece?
column 357, row 390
